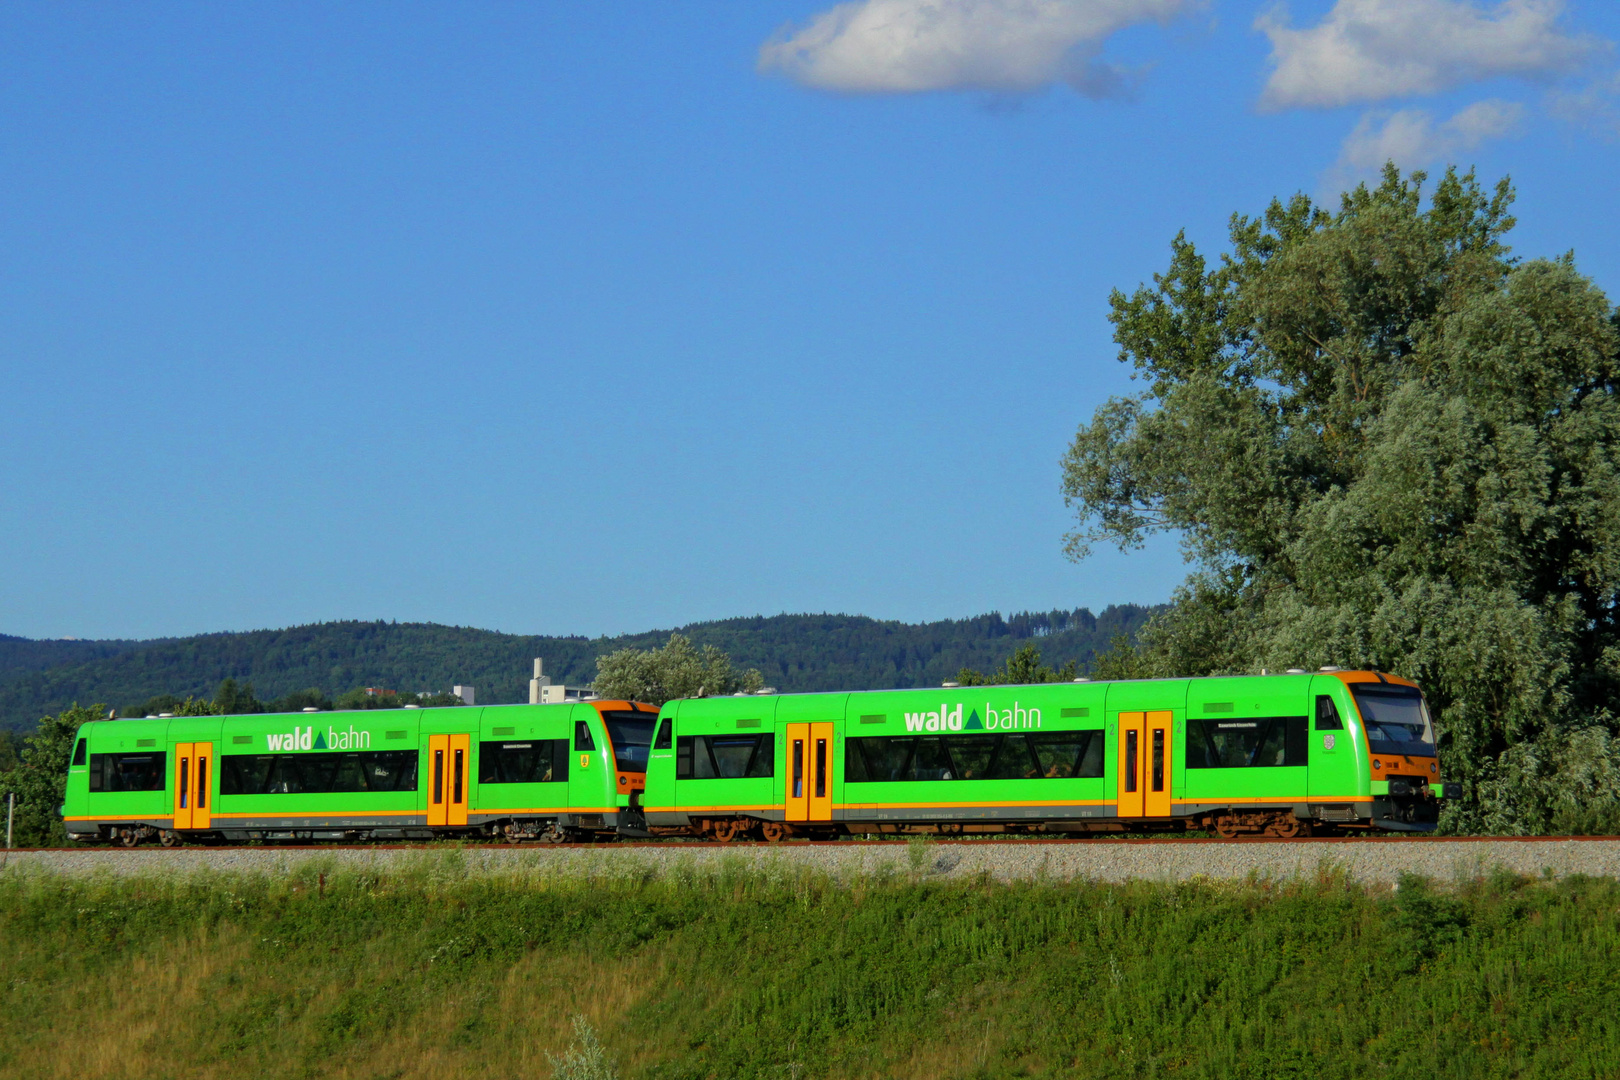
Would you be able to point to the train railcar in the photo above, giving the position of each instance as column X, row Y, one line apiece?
column 550, row 771
column 1277, row 755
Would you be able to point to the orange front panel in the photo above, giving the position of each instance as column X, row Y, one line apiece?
column 460, row 775
column 1131, row 732
column 798, row 772
column 182, row 785
column 438, row 779
column 820, row 770
column 1158, row 746
column 202, row 784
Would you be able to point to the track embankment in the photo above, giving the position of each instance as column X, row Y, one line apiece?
column 1367, row 861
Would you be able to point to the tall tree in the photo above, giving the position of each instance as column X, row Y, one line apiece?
column 1385, row 442
column 677, row 670
column 39, row 776
column 1023, row 667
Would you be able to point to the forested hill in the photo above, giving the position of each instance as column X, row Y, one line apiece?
column 794, row 652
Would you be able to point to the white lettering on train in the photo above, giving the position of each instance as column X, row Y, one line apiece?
column 1015, row 718
column 946, row 719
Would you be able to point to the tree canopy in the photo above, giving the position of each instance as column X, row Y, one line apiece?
column 677, row 670
column 1385, row 442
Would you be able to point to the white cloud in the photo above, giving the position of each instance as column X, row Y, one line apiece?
column 1596, row 105
column 911, row 46
column 1411, row 139
column 1374, row 50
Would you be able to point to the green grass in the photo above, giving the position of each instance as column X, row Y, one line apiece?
column 432, row 972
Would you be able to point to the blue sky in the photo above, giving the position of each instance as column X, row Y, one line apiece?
column 590, row 318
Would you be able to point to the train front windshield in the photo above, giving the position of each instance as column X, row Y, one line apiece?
column 1396, row 718
column 632, row 734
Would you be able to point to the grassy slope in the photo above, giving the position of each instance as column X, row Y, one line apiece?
column 434, row 975
column 795, row 652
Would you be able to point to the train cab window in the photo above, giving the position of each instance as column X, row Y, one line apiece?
column 78, row 753
column 1396, row 719
column 1327, row 714
column 582, row 736
column 663, row 742
column 631, row 734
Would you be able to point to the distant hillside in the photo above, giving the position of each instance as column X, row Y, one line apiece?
column 795, row 653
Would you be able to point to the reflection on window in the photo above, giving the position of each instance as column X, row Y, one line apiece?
column 128, row 772
column 631, row 734
column 1327, row 714
column 1396, row 719
column 1054, row 755
column 292, row 774
column 1246, row 742
column 725, row 757
column 537, row 761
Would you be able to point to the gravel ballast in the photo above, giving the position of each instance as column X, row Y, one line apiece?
column 1370, row 862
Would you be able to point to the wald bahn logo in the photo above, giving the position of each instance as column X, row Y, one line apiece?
column 309, row 739
column 949, row 719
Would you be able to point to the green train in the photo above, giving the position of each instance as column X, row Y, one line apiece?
column 1277, row 755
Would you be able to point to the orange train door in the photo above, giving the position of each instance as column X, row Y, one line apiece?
column 438, row 775
column 460, row 789
column 193, row 776
column 1146, row 750
column 809, row 771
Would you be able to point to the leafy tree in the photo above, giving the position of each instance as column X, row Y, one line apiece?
column 233, row 700
column 1021, row 668
column 299, row 700
column 39, row 776
column 1121, row 660
column 678, row 670
column 1385, row 443
column 360, row 698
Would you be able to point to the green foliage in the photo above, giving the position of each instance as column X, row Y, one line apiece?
column 678, row 670
column 794, row 652
column 1021, row 668
column 361, row 698
column 1122, row 659
column 586, row 1058
column 1387, row 444
column 39, row 776
column 432, row 971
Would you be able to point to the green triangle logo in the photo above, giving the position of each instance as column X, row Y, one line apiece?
column 320, row 741
column 973, row 722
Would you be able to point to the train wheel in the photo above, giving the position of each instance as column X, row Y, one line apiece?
column 774, row 831
column 726, row 830
column 1227, row 826
column 170, row 838
column 128, row 837
column 1287, row 827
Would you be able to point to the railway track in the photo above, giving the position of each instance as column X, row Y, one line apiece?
column 1368, row 860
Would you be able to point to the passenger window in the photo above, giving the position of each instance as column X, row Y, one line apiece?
column 1327, row 715
column 582, row 736
column 663, row 740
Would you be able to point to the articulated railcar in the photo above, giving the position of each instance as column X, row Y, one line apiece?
column 1278, row 755
column 1275, row 755
column 549, row 771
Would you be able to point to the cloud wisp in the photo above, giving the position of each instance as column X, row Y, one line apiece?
column 1375, row 50
column 1412, row 139
column 1006, row 46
